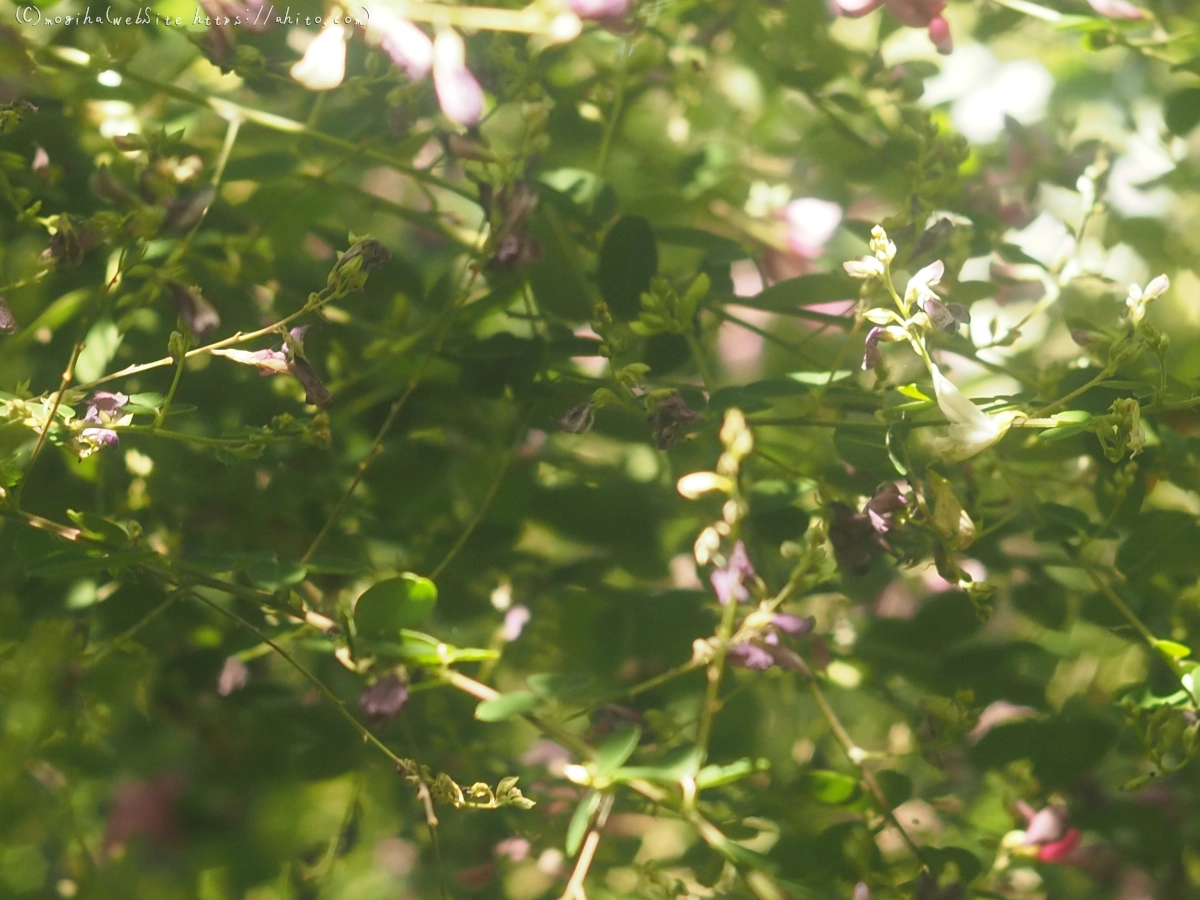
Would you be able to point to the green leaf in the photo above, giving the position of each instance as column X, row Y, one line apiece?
column 966, row 862
column 393, row 604
column 712, row 775
column 807, row 290
column 100, row 346
column 1172, row 649
column 1161, row 541
column 580, row 821
column 617, row 749
column 568, row 688
column 911, row 390
column 73, row 562
column 506, row 706
column 896, row 786
column 716, row 248
column 684, row 763
column 1181, row 112
column 832, row 788
column 99, row 529
column 820, row 379
column 272, row 575
column 143, row 404
column 628, row 260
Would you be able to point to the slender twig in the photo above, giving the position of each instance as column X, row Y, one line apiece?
column 128, row 634
column 393, row 414
column 365, row 733
column 426, row 796
column 1132, row 618
column 1103, row 374
column 497, row 480
column 169, row 399
column 229, row 110
column 574, row 889
column 716, row 668
column 857, row 756
column 67, row 375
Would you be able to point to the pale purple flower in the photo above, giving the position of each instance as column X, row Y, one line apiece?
column 871, row 354
column 234, row 676
column 515, row 849
column 407, row 45
column 385, row 698
column 515, row 620
column 749, row 656
column 601, row 10
column 8, row 323
column 793, row 626
column 1117, row 9
column 315, row 391
column 946, row 316
column 728, row 581
column 103, row 402
column 197, row 314
column 459, row 94
column 101, row 437
column 913, row 13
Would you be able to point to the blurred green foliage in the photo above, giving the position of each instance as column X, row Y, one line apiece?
column 397, row 501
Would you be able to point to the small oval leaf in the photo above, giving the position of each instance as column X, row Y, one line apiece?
column 393, row 604
column 506, row 706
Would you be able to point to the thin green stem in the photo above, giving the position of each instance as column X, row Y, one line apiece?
column 228, row 109
column 393, row 414
column 1132, row 618
column 426, row 796
column 497, row 480
column 166, row 404
column 857, row 757
column 698, row 359
column 365, row 733
column 614, row 115
column 1104, row 373
column 132, row 631
column 716, row 669
column 67, row 375
column 240, row 337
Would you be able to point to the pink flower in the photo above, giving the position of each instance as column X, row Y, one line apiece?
column 407, row 45
column 1116, row 9
column 913, row 13
column 602, row 10
column 811, row 223
column 459, row 94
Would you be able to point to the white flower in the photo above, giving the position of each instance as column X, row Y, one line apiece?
column 323, row 65
column 1138, row 298
column 459, row 94
column 884, row 250
column 699, row 483
column 865, row 267
column 971, row 430
column 918, row 289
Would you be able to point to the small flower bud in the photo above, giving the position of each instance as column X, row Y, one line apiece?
column 697, row 484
